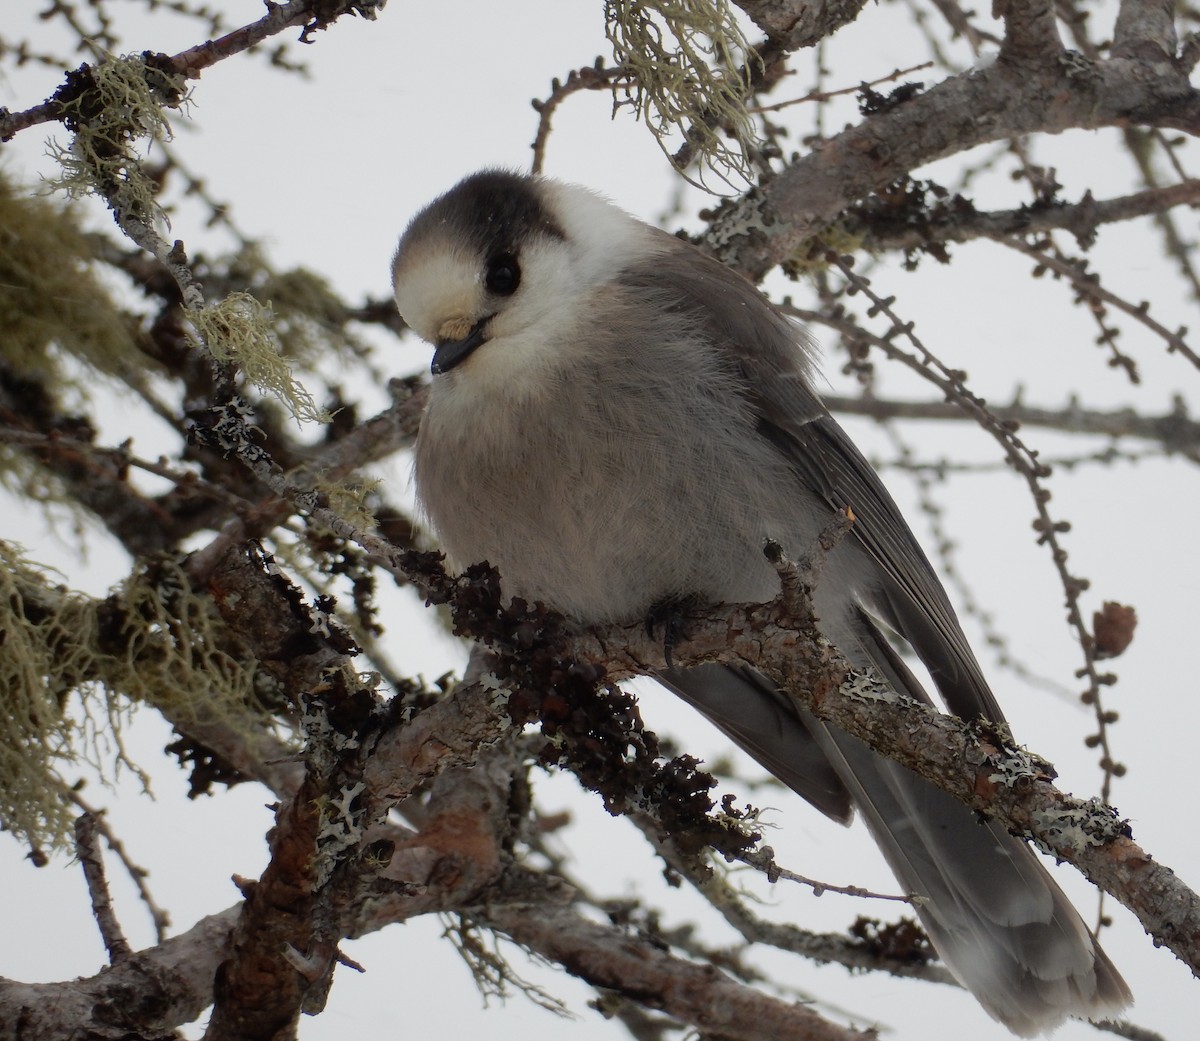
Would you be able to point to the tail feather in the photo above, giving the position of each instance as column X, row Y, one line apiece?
column 997, row 918
column 765, row 725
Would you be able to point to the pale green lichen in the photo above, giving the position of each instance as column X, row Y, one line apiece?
column 811, row 257
column 74, row 668
column 691, row 68
column 44, row 627
column 309, row 319
column 116, row 108
column 175, row 650
column 241, row 330
column 351, row 498
column 51, row 301
column 55, row 310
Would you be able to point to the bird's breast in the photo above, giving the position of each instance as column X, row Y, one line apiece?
column 608, row 490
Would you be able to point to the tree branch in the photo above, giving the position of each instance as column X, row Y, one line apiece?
column 1175, row 431
column 999, row 101
column 1081, row 219
column 172, row 981
column 91, row 859
column 312, row 14
column 794, row 25
column 1030, row 30
column 700, row 995
column 970, row 761
column 1145, row 29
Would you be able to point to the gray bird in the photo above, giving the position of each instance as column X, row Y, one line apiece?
column 617, row 422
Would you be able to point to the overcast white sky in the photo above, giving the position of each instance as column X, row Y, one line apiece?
column 327, row 171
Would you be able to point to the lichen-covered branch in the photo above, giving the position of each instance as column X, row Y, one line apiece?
column 699, row 995
column 1004, row 99
column 312, row 14
column 971, row 762
column 1081, row 219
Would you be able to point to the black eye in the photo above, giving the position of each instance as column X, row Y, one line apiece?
column 503, row 274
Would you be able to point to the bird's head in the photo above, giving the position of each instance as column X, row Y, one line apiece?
column 502, row 263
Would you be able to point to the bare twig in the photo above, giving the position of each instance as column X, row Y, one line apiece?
column 1123, row 1028
column 764, row 861
column 1089, row 287
column 825, row 95
column 92, row 862
column 1175, row 431
column 1026, row 462
column 159, row 916
column 590, row 77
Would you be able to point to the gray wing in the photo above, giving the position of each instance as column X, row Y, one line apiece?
column 995, row 915
column 774, row 372
column 764, row 723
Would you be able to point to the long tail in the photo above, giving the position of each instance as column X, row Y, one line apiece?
column 997, row 918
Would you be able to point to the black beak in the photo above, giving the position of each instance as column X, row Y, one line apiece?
column 450, row 353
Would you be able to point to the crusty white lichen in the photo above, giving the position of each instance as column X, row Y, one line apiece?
column 1014, row 765
column 325, row 745
column 341, row 831
column 736, row 224
column 867, row 685
column 328, row 751
column 1076, row 828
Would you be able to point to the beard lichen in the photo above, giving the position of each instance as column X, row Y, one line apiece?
column 240, row 330
column 51, row 301
column 481, row 949
column 309, row 320
column 111, row 108
column 73, row 668
column 691, row 68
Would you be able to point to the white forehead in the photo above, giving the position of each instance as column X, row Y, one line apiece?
column 437, row 280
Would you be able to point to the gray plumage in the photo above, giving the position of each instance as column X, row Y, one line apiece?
column 617, row 421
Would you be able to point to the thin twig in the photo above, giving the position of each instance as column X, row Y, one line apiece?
column 590, row 77
column 825, row 95
column 92, row 862
column 764, row 860
column 138, row 875
column 1026, row 462
column 1089, row 287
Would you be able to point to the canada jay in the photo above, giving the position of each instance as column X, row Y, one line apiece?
column 617, row 422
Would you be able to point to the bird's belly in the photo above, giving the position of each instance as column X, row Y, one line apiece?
column 603, row 525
